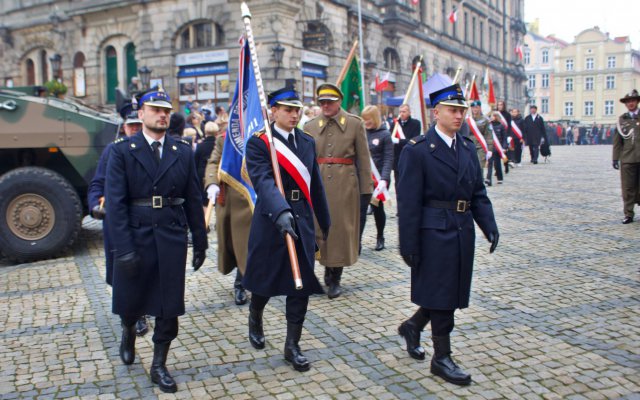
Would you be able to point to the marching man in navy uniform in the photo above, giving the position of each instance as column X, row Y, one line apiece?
column 154, row 199
column 268, row 271
column 440, row 194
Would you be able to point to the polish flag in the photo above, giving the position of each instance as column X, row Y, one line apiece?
column 473, row 92
column 453, row 16
column 519, row 52
column 382, row 84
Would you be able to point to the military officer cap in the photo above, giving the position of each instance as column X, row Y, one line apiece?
column 632, row 95
column 476, row 103
column 449, row 96
column 284, row 97
column 155, row 97
column 330, row 92
column 132, row 118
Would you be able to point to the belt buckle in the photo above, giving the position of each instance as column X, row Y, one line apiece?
column 461, row 206
column 295, row 195
column 156, row 201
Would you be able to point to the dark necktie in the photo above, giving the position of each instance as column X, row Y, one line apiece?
column 156, row 151
column 453, row 145
column 292, row 141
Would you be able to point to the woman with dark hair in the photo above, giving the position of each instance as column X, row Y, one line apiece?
column 176, row 126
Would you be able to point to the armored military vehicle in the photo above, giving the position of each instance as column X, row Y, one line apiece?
column 49, row 150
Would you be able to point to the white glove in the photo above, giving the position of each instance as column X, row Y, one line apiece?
column 509, row 140
column 212, row 192
column 395, row 139
column 382, row 185
column 489, row 155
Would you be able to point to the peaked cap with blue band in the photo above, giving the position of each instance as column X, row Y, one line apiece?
column 284, row 97
column 155, row 97
column 449, row 96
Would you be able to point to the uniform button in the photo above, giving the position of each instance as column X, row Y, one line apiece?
column 270, row 214
column 331, row 134
column 155, row 225
column 329, row 176
column 459, row 228
column 297, row 216
column 329, row 145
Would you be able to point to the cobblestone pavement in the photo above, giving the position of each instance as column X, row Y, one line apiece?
column 555, row 313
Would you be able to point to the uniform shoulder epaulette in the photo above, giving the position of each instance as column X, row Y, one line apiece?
column 258, row 134
column 121, row 139
column 307, row 133
column 467, row 138
column 355, row 116
column 417, row 139
column 183, row 141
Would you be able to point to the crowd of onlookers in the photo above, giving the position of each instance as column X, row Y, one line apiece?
column 575, row 134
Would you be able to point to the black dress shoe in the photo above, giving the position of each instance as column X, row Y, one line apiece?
column 256, row 332
column 141, row 326
column 380, row 244
column 627, row 220
column 411, row 335
column 240, row 296
column 442, row 364
column 128, row 344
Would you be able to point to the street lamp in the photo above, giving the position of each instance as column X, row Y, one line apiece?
column 145, row 76
column 56, row 61
column 278, row 52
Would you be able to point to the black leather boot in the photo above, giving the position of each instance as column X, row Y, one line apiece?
column 239, row 294
column 159, row 373
column 327, row 276
column 334, row 286
column 443, row 366
column 128, row 344
column 380, row 243
column 410, row 331
column 292, row 352
column 141, row 326
column 256, row 333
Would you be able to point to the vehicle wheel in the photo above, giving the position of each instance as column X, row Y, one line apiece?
column 40, row 214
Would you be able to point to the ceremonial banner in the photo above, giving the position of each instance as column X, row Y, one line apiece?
column 351, row 87
column 245, row 119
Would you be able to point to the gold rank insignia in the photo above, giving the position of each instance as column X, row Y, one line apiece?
column 118, row 140
column 343, row 119
column 321, row 123
column 133, row 145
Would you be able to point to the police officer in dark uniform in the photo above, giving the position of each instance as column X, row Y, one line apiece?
column 95, row 198
column 268, row 271
column 440, row 194
column 153, row 200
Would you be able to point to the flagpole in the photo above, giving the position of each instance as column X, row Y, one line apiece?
column 362, row 99
column 406, row 96
column 343, row 72
column 473, row 81
column 291, row 247
column 455, row 78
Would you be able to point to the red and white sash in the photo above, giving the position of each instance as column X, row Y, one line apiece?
column 497, row 145
column 476, row 132
column 294, row 167
column 503, row 121
column 382, row 195
column 516, row 129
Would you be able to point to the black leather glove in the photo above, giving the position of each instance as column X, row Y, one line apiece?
column 412, row 260
column 198, row 259
column 285, row 224
column 98, row 212
column 494, row 237
column 128, row 264
column 616, row 164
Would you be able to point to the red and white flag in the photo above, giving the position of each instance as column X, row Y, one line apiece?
column 381, row 192
column 519, row 52
column 491, row 96
column 382, row 84
column 453, row 16
column 473, row 91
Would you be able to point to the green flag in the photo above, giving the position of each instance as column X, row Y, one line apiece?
column 351, row 87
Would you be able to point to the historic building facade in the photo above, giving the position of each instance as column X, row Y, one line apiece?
column 592, row 74
column 192, row 46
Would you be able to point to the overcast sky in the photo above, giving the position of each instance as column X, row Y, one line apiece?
column 566, row 18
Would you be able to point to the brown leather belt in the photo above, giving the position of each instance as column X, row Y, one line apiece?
column 460, row 206
column 335, row 160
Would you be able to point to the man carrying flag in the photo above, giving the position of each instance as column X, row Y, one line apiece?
column 268, row 271
column 343, row 155
column 480, row 133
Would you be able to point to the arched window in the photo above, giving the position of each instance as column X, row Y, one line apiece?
column 391, row 60
column 30, row 72
column 111, row 73
column 200, row 34
column 44, row 63
column 79, row 83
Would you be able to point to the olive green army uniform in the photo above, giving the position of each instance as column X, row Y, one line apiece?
column 626, row 149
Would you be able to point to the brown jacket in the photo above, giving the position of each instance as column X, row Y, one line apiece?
column 233, row 217
column 627, row 150
column 342, row 137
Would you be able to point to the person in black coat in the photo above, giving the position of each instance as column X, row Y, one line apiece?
column 268, row 272
column 381, row 150
column 153, row 200
column 411, row 128
column 96, row 199
column 496, row 159
column 535, row 132
column 440, row 194
column 519, row 121
column 202, row 154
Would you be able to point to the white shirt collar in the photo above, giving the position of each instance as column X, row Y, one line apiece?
column 283, row 133
column 151, row 140
column 448, row 140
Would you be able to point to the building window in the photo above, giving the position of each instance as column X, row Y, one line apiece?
column 568, row 85
column 588, row 83
column 545, row 56
column 588, row 108
column 569, row 64
column 466, row 27
column 391, row 60
column 589, row 63
column 610, row 82
column 490, row 40
column 473, row 32
column 545, row 80
column 31, row 72
column 532, row 81
column 544, row 105
column 481, row 35
column 532, row 102
column 199, row 35
column 608, row 107
column 79, row 83
column 611, row 62
column 568, row 108
column 527, row 57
